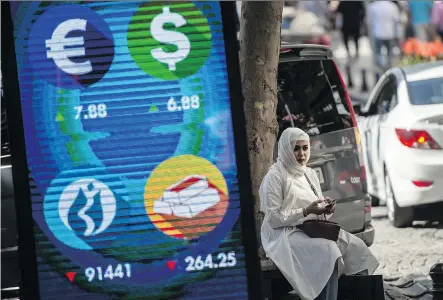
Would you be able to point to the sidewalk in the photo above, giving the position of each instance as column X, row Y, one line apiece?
column 363, row 62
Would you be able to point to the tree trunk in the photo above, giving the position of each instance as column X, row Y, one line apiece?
column 260, row 29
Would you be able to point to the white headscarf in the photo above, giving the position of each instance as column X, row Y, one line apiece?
column 286, row 155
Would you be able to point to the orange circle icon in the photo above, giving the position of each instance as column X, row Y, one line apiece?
column 186, row 196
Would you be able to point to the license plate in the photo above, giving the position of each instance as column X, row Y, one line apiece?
column 320, row 175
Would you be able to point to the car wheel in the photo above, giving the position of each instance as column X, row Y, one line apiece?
column 398, row 216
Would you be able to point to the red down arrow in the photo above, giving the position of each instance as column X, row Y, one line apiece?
column 71, row 276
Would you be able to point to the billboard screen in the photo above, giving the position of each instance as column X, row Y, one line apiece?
column 130, row 148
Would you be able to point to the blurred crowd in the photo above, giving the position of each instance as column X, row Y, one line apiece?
column 388, row 24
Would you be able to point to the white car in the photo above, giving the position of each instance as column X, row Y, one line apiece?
column 401, row 127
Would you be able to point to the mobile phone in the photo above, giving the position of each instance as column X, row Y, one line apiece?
column 330, row 204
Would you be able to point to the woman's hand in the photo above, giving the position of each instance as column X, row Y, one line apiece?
column 314, row 208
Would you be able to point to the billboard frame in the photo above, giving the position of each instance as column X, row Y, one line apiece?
column 29, row 284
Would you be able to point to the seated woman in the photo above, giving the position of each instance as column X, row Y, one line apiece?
column 311, row 265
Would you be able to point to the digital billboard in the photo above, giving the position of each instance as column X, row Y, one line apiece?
column 128, row 128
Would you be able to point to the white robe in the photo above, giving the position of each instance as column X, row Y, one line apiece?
column 306, row 263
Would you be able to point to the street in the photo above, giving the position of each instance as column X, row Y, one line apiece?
column 405, row 251
column 406, row 255
column 401, row 252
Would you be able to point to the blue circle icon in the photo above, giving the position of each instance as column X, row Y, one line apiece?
column 84, row 212
column 71, row 46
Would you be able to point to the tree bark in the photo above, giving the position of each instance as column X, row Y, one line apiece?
column 260, row 28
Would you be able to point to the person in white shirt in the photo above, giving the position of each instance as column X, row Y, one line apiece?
column 384, row 18
column 290, row 194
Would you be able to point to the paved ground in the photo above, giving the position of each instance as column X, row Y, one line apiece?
column 406, row 256
column 406, row 251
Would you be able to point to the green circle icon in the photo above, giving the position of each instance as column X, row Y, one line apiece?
column 169, row 40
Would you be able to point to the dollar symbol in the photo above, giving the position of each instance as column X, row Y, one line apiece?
column 169, row 37
column 161, row 37
column 61, row 55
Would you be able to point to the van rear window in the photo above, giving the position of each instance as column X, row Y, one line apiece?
column 311, row 97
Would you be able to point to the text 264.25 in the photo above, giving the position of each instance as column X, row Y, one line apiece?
column 221, row 260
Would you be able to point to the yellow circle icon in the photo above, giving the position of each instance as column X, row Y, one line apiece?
column 186, row 196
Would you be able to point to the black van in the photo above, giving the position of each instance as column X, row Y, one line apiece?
column 312, row 96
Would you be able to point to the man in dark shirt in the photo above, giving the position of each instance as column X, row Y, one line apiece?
column 352, row 13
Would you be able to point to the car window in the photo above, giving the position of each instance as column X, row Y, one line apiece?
column 386, row 98
column 312, row 97
column 425, row 92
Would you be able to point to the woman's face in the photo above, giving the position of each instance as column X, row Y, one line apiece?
column 301, row 151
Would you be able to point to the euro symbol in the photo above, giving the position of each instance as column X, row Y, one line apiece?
column 61, row 55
